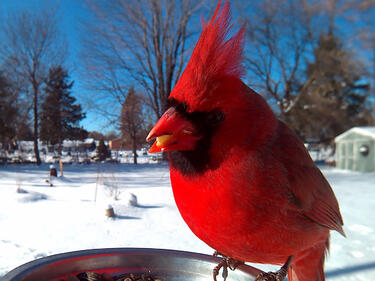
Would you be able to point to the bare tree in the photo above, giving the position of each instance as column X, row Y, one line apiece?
column 142, row 43
column 132, row 122
column 361, row 16
column 280, row 37
column 31, row 44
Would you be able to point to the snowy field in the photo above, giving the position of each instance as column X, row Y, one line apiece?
column 40, row 220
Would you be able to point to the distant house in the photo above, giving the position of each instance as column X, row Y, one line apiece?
column 355, row 149
column 116, row 144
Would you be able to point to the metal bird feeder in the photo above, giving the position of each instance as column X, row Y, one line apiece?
column 164, row 265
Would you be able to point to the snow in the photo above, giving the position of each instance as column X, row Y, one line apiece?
column 37, row 220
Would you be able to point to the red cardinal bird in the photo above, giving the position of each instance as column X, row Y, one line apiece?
column 242, row 180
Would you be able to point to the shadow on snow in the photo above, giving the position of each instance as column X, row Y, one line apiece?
column 350, row 269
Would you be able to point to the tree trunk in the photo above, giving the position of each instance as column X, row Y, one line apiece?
column 59, row 148
column 35, row 137
column 134, row 151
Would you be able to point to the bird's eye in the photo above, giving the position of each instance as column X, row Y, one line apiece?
column 215, row 117
column 183, row 107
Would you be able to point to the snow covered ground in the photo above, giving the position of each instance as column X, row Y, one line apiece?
column 40, row 220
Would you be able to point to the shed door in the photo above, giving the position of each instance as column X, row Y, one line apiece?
column 349, row 163
column 346, row 155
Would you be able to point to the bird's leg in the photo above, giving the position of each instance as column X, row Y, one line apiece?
column 225, row 263
column 278, row 275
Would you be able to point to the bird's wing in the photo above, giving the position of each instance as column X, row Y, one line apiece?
column 312, row 193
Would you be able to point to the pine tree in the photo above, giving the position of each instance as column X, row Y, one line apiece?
column 60, row 113
column 102, row 151
column 8, row 112
column 337, row 96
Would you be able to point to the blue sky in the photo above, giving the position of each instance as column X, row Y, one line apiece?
column 70, row 12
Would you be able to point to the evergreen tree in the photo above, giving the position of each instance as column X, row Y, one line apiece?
column 102, row 151
column 336, row 97
column 60, row 113
column 8, row 112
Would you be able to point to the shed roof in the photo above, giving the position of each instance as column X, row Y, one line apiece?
column 367, row 131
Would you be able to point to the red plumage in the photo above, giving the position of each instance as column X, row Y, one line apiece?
column 245, row 183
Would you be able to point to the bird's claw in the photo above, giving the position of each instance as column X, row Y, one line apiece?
column 217, row 268
column 279, row 275
column 225, row 263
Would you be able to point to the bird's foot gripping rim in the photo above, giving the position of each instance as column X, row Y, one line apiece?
column 225, row 263
column 278, row 275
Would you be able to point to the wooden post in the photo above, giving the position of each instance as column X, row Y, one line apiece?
column 109, row 212
column 61, row 167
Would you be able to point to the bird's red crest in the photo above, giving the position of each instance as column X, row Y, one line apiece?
column 213, row 59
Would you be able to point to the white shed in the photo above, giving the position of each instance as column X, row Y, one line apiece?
column 355, row 149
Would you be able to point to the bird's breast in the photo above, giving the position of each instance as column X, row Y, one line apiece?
column 239, row 212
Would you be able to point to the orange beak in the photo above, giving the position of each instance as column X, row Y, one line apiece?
column 172, row 132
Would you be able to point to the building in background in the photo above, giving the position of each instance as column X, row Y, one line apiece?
column 116, row 144
column 355, row 149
